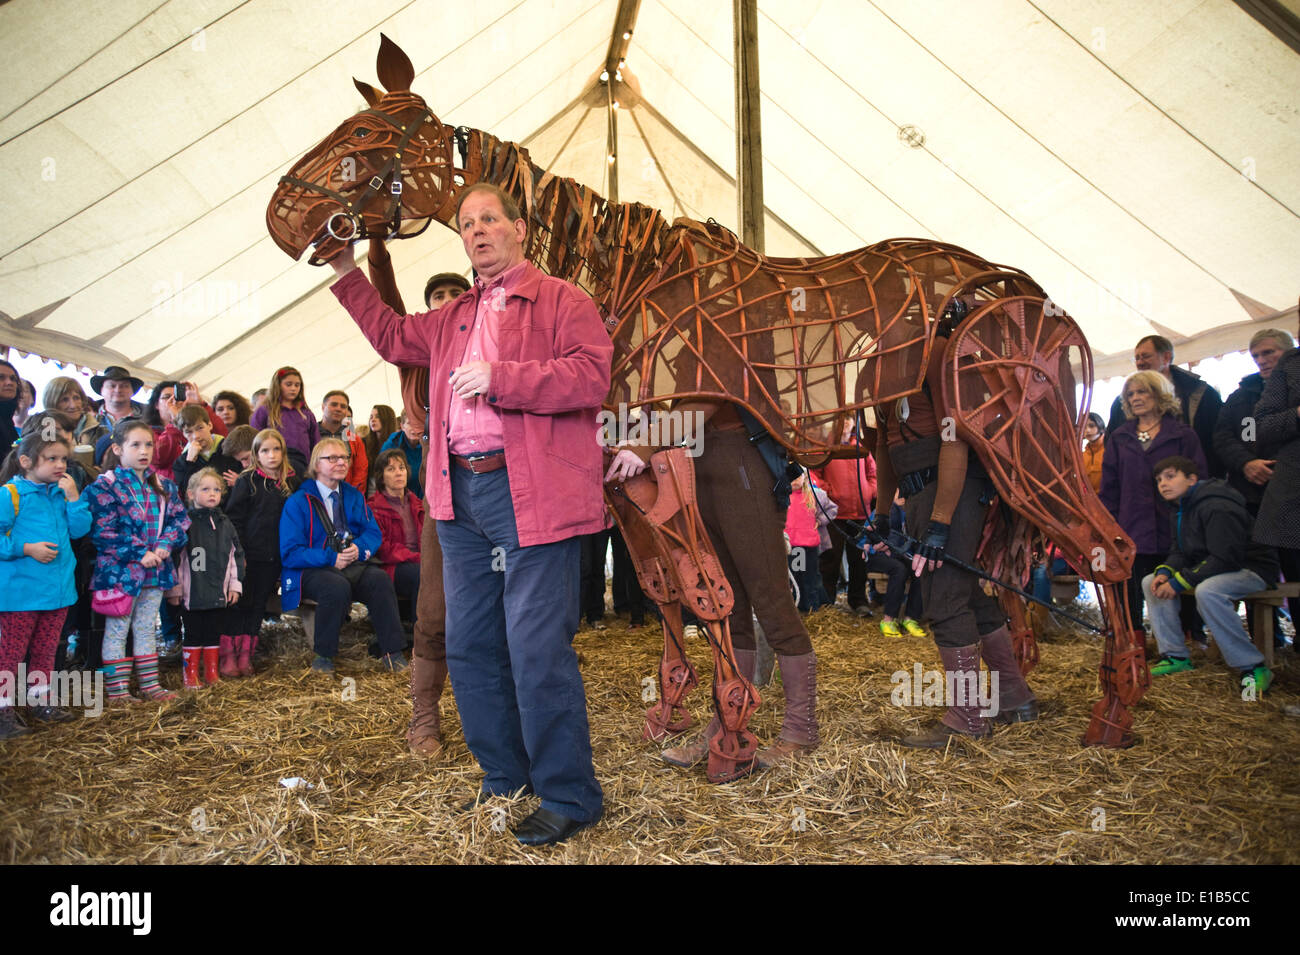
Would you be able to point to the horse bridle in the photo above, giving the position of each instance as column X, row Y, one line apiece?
column 390, row 175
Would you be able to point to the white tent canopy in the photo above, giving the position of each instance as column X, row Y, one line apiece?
column 1141, row 161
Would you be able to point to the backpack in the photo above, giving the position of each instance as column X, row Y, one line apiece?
column 13, row 493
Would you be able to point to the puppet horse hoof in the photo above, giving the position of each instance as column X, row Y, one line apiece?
column 732, row 756
column 1111, row 726
column 662, row 721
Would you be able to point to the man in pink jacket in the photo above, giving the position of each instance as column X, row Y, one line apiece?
column 518, row 368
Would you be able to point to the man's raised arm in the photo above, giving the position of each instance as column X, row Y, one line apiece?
column 398, row 340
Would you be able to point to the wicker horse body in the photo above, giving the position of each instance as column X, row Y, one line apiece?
column 799, row 343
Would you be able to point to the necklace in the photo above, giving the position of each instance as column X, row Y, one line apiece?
column 1146, row 436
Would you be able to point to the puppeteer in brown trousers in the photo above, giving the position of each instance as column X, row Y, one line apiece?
column 944, row 487
column 429, row 655
column 745, row 523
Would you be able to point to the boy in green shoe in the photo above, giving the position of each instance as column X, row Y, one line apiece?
column 1214, row 558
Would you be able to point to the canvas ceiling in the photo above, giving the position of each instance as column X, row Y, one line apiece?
column 1141, row 161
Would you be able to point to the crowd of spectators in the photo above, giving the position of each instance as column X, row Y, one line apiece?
column 322, row 509
column 1209, row 490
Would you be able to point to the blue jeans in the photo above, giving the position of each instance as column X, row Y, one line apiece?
column 511, row 615
column 1041, row 578
column 1216, row 600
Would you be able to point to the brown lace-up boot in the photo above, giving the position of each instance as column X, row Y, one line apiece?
column 427, row 680
column 799, row 724
column 961, row 668
column 1016, row 701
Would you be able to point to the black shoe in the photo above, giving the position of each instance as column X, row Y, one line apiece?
column 49, row 714
column 546, row 828
column 1025, row 713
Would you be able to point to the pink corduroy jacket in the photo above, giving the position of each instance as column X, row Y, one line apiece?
column 550, row 378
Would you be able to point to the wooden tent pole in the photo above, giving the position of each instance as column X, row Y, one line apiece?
column 749, row 127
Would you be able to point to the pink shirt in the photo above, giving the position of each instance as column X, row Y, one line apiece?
column 474, row 424
column 549, row 380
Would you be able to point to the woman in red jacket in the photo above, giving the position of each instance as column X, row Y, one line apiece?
column 851, row 484
column 400, row 515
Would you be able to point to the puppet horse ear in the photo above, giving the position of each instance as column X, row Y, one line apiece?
column 393, row 66
column 368, row 92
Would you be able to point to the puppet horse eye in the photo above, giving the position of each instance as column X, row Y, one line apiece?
column 362, row 131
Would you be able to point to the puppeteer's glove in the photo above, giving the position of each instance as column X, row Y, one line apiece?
column 935, row 540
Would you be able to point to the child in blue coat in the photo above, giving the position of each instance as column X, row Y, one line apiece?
column 40, row 513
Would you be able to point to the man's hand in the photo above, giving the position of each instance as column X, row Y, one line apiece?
column 929, row 556
column 344, row 262
column 43, row 551
column 471, row 379
column 347, row 555
column 1259, row 470
column 70, row 492
column 1161, row 588
column 877, row 534
column 232, row 597
column 625, row 464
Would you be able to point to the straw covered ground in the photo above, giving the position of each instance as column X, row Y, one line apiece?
column 1214, row 779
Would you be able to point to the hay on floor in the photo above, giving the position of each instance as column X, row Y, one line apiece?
column 1213, row 780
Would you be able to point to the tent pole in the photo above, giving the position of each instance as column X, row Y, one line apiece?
column 619, row 40
column 749, row 127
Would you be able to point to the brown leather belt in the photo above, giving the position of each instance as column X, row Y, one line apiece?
column 481, row 463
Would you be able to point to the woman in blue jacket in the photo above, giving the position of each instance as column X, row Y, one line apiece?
column 40, row 513
column 327, row 540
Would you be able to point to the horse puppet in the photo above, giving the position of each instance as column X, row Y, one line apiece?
column 801, row 344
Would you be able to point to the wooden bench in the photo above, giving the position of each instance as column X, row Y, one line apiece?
column 1262, row 603
column 1065, row 588
column 306, row 612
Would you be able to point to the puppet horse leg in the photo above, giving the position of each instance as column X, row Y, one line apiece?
column 657, row 573
column 1124, row 674
column 677, row 678
column 733, row 750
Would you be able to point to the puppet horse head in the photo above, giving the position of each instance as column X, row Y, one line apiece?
column 385, row 173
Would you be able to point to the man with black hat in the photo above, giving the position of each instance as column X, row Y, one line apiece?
column 116, row 386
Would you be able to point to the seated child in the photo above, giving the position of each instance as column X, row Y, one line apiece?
column 1214, row 558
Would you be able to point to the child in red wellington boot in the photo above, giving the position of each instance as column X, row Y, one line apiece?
column 209, row 575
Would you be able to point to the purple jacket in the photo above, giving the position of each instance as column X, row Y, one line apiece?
column 298, row 427
column 1128, row 484
column 551, row 375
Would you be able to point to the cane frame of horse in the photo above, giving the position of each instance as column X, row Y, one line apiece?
column 801, row 344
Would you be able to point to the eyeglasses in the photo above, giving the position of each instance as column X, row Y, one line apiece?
column 332, row 458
